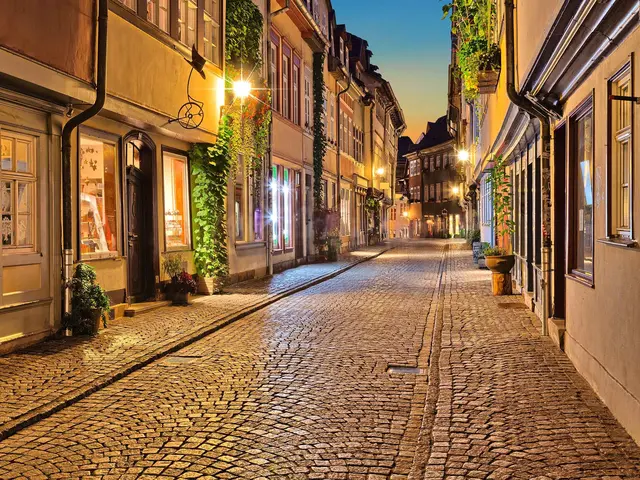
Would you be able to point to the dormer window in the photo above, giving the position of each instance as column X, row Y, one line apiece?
column 341, row 50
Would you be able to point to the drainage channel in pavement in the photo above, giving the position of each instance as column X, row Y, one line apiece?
column 406, row 370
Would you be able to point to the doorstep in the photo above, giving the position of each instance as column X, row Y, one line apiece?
column 144, row 307
column 557, row 327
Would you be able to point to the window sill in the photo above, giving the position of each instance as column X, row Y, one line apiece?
column 581, row 279
column 184, row 249
column 94, row 258
column 250, row 245
column 624, row 243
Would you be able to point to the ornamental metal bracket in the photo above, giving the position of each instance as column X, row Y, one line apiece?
column 191, row 113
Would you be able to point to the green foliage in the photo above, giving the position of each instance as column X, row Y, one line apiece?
column 473, row 21
column 372, row 208
column 319, row 137
column 474, row 236
column 210, row 171
column 172, row 264
column 243, row 45
column 494, row 252
column 88, row 301
column 501, row 198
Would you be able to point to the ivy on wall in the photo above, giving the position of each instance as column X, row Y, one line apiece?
column 244, row 130
column 319, row 137
column 210, row 171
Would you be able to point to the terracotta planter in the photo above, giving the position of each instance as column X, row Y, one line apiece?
column 181, row 299
column 209, row 285
column 500, row 264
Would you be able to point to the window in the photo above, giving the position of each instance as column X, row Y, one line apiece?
column 345, row 211
column 307, row 98
column 17, row 189
column 438, row 161
column 296, row 93
column 620, row 163
column 432, row 193
column 341, row 53
column 285, row 86
column 581, row 208
column 132, row 4
column 287, row 236
column 275, row 209
column 438, row 192
column 177, row 229
column 432, row 164
column 273, row 73
column 332, row 119
column 98, row 197
column 158, row 13
column 445, row 160
column 187, row 19
column 212, row 39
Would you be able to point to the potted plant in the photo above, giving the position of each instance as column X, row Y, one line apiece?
column 498, row 259
column 489, row 69
column 334, row 242
column 172, row 266
column 89, row 302
column 184, row 286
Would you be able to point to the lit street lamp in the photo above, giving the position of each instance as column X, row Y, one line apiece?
column 380, row 171
column 463, row 155
column 241, row 89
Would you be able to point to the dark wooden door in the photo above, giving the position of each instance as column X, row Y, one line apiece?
column 136, row 240
column 560, row 223
column 298, row 216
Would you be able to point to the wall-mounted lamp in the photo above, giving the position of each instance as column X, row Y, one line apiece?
column 456, row 190
column 241, row 89
column 380, row 171
column 463, row 155
column 405, row 214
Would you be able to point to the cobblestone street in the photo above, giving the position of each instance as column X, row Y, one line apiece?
column 302, row 388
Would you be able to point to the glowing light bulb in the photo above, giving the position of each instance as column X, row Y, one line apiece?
column 274, row 185
column 463, row 155
column 405, row 214
column 380, row 171
column 456, row 190
column 241, row 89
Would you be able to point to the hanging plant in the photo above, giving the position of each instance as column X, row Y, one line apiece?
column 473, row 21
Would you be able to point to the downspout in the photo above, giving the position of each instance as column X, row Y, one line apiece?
column 268, row 225
column 338, row 173
column 545, row 130
column 67, row 131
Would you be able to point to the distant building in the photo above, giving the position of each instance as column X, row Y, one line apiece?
column 399, row 223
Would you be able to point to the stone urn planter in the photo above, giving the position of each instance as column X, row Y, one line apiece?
column 500, row 263
column 181, row 299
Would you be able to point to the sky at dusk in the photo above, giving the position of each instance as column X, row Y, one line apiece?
column 411, row 45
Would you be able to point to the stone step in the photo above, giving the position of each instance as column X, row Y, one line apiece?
column 144, row 307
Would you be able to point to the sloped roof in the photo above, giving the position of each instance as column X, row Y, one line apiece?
column 437, row 133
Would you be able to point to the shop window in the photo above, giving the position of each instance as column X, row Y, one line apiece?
column 98, row 161
column 176, row 202
column 187, row 21
column 581, row 209
column 276, row 224
column 286, row 208
column 621, row 157
column 17, row 191
column 158, row 13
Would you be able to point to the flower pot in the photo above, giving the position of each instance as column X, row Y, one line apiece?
column 209, row 285
column 500, row 264
column 181, row 299
column 488, row 81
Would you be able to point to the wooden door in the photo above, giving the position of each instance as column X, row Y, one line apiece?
column 136, row 235
column 298, row 217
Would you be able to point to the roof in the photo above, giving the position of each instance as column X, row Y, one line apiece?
column 437, row 133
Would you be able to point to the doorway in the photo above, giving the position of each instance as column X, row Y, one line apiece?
column 141, row 245
column 308, row 191
column 560, row 222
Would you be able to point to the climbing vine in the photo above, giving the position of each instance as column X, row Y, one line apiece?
column 244, row 131
column 372, row 207
column 210, row 171
column 319, row 137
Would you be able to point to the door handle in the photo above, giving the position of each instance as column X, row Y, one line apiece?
column 133, row 236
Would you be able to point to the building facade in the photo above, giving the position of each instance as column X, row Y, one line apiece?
column 563, row 114
column 130, row 184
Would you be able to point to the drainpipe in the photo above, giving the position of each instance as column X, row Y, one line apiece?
column 268, row 225
column 545, row 130
column 338, row 174
column 67, row 131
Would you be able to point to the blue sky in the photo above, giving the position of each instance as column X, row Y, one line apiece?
column 411, row 45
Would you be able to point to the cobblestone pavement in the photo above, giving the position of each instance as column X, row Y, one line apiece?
column 44, row 376
column 511, row 405
column 299, row 389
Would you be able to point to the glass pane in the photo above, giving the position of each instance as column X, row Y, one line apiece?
column 6, row 197
column 286, row 195
column 6, row 153
column 24, row 230
column 98, row 196
column 24, row 198
column 176, row 202
column 584, row 204
column 163, row 15
column 7, row 229
column 275, row 211
column 22, row 156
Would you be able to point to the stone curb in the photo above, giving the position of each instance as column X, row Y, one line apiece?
column 15, row 425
